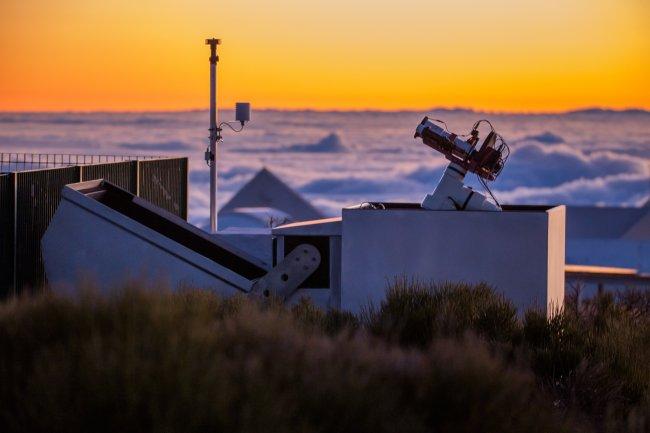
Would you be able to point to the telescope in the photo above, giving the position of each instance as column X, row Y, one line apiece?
column 486, row 159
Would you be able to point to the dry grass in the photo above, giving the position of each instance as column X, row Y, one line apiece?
column 450, row 358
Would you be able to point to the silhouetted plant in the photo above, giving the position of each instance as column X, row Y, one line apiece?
column 413, row 313
column 448, row 358
column 594, row 357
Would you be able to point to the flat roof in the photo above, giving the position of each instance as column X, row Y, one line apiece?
column 603, row 271
column 319, row 227
column 590, row 269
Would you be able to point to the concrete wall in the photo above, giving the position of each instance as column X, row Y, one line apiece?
column 520, row 253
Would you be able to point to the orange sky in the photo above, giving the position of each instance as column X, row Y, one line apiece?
column 498, row 55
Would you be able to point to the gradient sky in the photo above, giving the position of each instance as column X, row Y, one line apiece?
column 498, row 55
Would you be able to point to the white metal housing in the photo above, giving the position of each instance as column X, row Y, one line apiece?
column 112, row 238
column 519, row 251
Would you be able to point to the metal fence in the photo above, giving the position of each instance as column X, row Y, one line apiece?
column 158, row 181
column 10, row 162
column 6, row 233
column 28, row 200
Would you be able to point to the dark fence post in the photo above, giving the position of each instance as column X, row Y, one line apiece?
column 7, row 233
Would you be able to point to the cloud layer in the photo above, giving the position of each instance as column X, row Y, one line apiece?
column 337, row 159
column 537, row 165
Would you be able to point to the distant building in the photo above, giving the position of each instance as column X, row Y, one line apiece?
column 587, row 280
column 608, row 236
column 607, row 248
column 265, row 201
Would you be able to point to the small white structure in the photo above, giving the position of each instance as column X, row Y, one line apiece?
column 519, row 251
column 609, row 237
column 107, row 236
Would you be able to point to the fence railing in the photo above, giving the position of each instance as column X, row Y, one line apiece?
column 29, row 198
column 13, row 162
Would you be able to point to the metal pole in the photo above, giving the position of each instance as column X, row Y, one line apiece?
column 215, row 132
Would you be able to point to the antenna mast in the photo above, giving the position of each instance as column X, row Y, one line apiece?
column 215, row 133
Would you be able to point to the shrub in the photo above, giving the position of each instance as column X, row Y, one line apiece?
column 145, row 361
column 429, row 358
column 635, row 302
column 595, row 358
column 414, row 313
column 331, row 322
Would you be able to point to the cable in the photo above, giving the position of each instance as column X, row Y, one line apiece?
column 219, row 139
column 478, row 123
column 487, row 188
column 228, row 124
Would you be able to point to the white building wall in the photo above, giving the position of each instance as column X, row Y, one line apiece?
column 520, row 253
column 89, row 242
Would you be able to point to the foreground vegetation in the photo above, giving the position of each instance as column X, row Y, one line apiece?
column 450, row 358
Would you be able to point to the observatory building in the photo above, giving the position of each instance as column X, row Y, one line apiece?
column 456, row 234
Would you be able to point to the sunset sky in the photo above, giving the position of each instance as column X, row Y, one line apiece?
column 498, row 55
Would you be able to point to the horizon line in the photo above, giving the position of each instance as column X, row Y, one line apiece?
column 348, row 110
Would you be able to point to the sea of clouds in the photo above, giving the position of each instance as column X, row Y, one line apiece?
column 334, row 159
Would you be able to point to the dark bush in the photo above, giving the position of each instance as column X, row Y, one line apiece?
column 595, row 358
column 414, row 313
column 635, row 302
column 331, row 322
column 448, row 358
column 143, row 361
